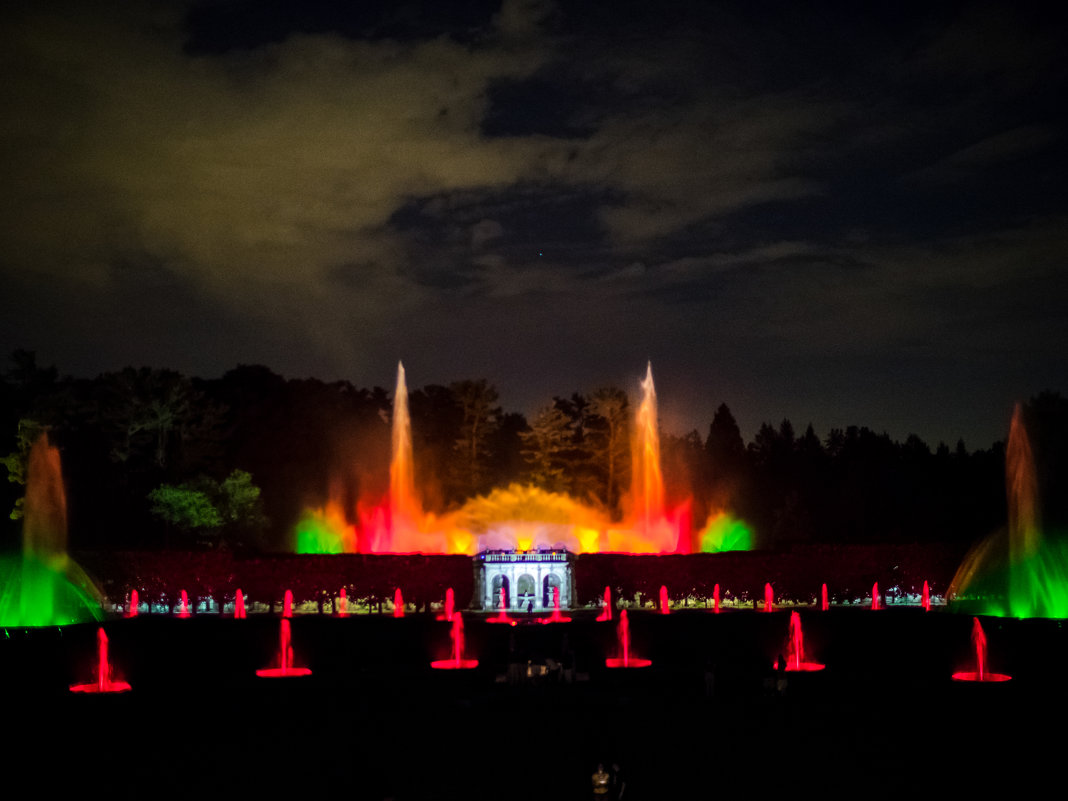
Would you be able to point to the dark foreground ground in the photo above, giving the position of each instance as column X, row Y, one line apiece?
column 374, row 721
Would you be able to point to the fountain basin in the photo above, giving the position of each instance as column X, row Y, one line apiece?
column 282, row 673
column 630, row 662
column 971, row 675
column 804, row 667
column 454, row 664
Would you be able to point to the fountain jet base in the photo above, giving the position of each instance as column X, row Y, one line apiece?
column 632, row 662
column 970, row 675
column 454, row 664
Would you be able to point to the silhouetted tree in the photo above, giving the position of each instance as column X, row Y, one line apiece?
column 608, row 440
column 480, row 415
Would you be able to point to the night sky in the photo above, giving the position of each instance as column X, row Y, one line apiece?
column 837, row 213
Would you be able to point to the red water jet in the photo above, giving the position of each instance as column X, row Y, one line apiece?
column 606, row 606
column 824, row 603
column 285, row 667
column 183, row 609
column 103, row 683
column 398, row 603
column 980, row 673
column 795, row 660
column 875, row 596
column 665, row 609
column 456, row 662
column 131, row 608
column 715, row 599
column 450, row 605
column 556, row 617
column 287, row 604
column 925, row 598
column 343, row 603
column 625, row 660
column 769, row 598
column 502, row 615
column 239, row 605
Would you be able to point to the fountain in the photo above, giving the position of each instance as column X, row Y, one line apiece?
column 502, row 615
column 824, row 603
column 450, row 606
column 104, row 683
column 875, row 596
column 715, row 599
column 456, row 662
column 517, row 517
column 239, row 605
column 665, row 607
column 556, row 617
column 343, row 603
column 980, row 673
column 287, row 604
column 285, row 667
column 183, row 605
column 1019, row 572
column 606, row 606
column 650, row 528
column 398, row 603
column 795, row 660
column 625, row 660
column 769, row 598
column 131, row 607
column 925, row 598
column 44, row 586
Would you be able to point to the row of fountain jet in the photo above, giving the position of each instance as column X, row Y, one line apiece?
column 794, row 661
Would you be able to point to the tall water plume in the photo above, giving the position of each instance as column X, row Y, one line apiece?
column 404, row 508
column 45, row 587
column 1021, row 572
column 647, row 481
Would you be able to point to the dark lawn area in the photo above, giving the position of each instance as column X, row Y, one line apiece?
column 884, row 720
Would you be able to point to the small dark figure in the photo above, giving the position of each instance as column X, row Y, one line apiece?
column 780, row 675
column 710, row 678
column 530, row 607
column 617, row 783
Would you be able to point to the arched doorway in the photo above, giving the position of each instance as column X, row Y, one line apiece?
column 501, row 582
column 547, row 584
column 524, row 587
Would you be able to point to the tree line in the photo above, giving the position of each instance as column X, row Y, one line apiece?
column 153, row 458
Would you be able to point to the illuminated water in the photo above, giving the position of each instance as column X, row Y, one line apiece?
column 1018, row 572
column 556, row 617
column 104, row 683
column 457, row 661
column 285, row 667
column 795, row 658
column 980, row 673
column 43, row 586
column 518, row 517
column 502, row 614
column 606, row 606
column 625, row 660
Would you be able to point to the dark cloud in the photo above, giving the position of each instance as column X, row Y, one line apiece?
column 830, row 212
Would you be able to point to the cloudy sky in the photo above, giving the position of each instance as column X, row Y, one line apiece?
column 820, row 211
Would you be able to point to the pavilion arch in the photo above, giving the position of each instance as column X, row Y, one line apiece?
column 548, row 582
column 501, row 581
